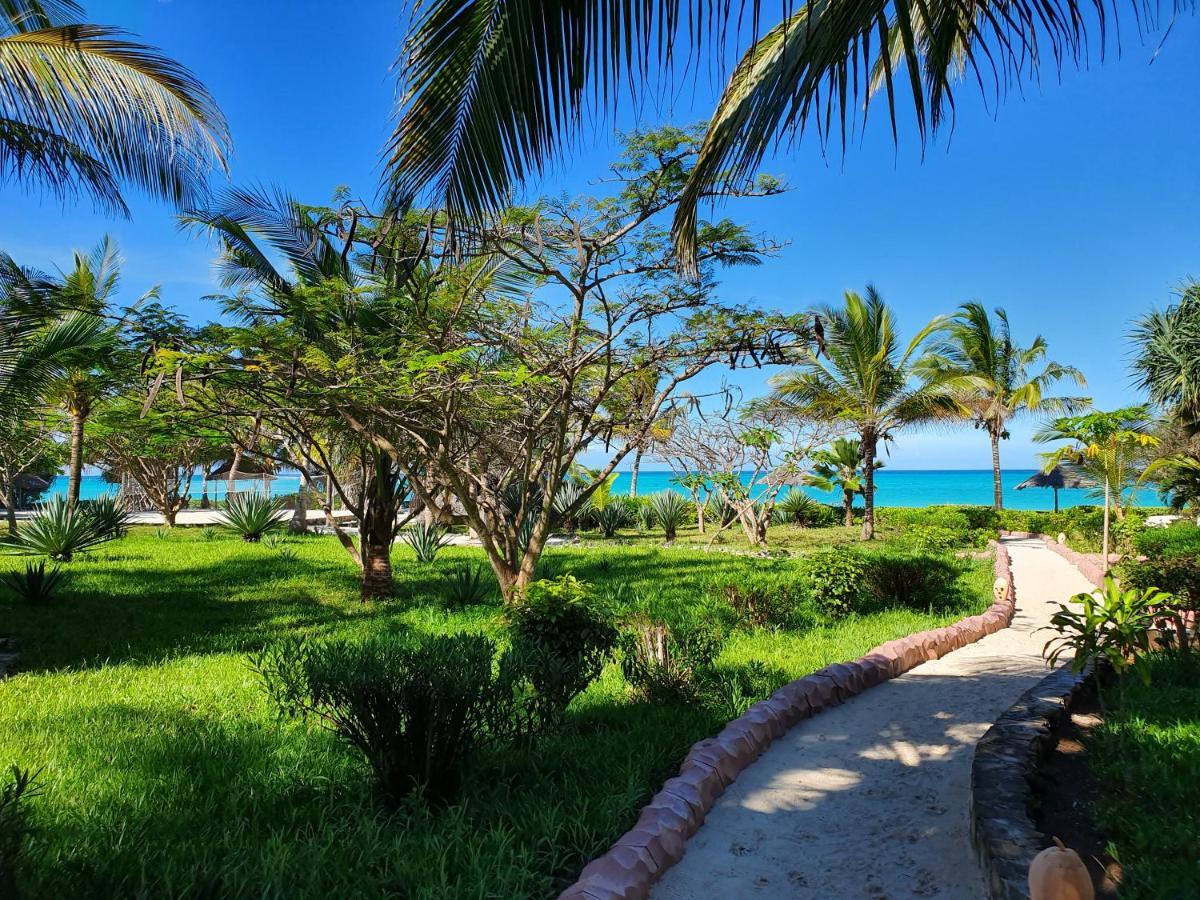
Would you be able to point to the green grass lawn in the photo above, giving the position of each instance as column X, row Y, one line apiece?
column 1147, row 755
column 166, row 773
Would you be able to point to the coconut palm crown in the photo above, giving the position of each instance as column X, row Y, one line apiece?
column 993, row 377
column 84, row 110
column 492, row 90
column 1167, row 357
column 861, row 376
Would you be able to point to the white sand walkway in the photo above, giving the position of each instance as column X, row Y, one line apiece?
column 869, row 799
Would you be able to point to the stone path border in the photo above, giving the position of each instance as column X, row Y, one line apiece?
column 1007, row 760
column 675, row 813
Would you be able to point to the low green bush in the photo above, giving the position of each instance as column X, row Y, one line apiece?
column 763, row 603
column 416, row 710
column 1178, row 576
column 561, row 638
column 668, row 665
column 835, row 579
column 917, row 581
column 1180, row 539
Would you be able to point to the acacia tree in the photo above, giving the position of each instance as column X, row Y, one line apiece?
column 747, row 455
column 583, row 311
column 992, row 376
column 29, row 448
column 859, row 377
column 160, row 448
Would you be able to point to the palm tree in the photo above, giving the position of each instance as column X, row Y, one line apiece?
column 88, row 290
column 1109, row 446
column 492, row 87
column 865, row 381
column 839, row 467
column 990, row 374
column 83, row 109
column 1167, row 358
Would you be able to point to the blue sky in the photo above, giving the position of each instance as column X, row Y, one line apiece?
column 1074, row 206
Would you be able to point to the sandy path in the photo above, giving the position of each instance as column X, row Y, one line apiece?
column 869, row 799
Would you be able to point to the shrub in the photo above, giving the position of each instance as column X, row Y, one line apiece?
column 671, row 510
column 668, row 665
column 59, row 532
column 933, row 538
column 416, row 710
column 763, row 603
column 208, row 533
column 1178, row 576
column 467, row 586
column 611, row 517
column 426, row 539
column 836, row 580
column 251, row 515
column 1113, row 625
column 561, row 638
column 35, row 585
column 646, row 517
column 910, row 580
column 797, row 508
column 1181, row 539
column 110, row 515
column 14, row 825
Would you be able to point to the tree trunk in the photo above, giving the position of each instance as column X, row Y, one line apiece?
column 633, row 475
column 10, row 512
column 699, row 512
column 869, row 440
column 1104, row 543
column 299, row 522
column 377, row 570
column 169, row 515
column 231, row 481
column 847, row 508
column 997, row 487
column 75, row 464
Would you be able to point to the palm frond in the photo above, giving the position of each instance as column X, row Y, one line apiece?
column 111, row 102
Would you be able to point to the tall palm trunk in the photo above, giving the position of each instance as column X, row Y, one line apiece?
column 997, row 486
column 75, row 463
column 847, row 507
column 633, row 475
column 231, row 481
column 869, row 441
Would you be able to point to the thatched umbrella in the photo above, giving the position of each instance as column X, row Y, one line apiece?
column 1057, row 478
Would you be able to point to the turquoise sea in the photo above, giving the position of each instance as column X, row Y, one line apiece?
column 894, row 487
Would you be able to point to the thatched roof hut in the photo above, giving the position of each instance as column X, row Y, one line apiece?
column 1057, row 478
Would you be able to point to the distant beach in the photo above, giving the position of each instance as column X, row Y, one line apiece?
column 894, row 487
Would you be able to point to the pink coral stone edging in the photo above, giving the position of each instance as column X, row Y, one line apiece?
column 656, row 842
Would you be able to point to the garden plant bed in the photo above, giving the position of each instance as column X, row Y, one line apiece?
column 1066, row 787
column 164, row 769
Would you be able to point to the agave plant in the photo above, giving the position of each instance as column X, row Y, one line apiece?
column 59, row 531
column 251, row 515
column 671, row 510
column 646, row 517
column 611, row 517
column 426, row 540
column 467, row 586
column 565, row 498
column 110, row 514
column 797, row 508
column 35, row 585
